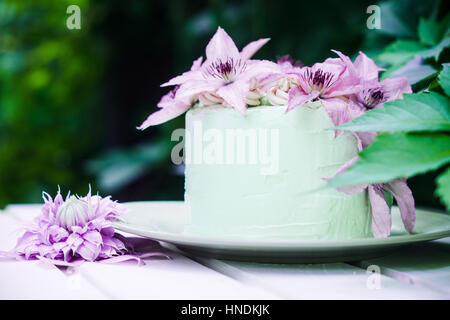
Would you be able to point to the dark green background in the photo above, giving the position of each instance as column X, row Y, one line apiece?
column 70, row 100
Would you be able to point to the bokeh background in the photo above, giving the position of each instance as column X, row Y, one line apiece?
column 70, row 100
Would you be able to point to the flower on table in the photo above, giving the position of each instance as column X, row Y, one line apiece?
column 77, row 229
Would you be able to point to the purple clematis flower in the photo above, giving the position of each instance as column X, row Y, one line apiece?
column 226, row 71
column 373, row 92
column 71, row 231
column 225, row 74
column 328, row 82
column 381, row 218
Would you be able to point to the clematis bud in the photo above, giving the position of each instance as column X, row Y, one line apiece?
column 73, row 212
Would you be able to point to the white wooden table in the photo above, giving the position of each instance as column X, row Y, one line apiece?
column 418, row 272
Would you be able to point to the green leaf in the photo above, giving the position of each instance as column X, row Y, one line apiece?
column 429, row 32
column 397, row 155
column 415, row 112
column 444, row 78
column 443, row 188
column 400, row 51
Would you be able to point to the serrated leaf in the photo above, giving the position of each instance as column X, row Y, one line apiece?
column 443, row 188
column 444, row 78
column 415, row 112
column 429, row 32
column 397, row 155
column 400, row 51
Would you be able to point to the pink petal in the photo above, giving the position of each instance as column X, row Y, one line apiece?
column 197, row 64
column 337, row 109
column 186, row 76
column 169, row 112
column 405, row 201
column 381, row 219
column 297, row 97
column 93, row 237
column 345, row 86
column 337, row 69
column 193, row 74
column 258, row 68
column 193, row 87
column 396, row 87
column 250, row 49
column 235, row 94
column 221, row 47
column 366, row 67
column 345, row 60
column 88, row 251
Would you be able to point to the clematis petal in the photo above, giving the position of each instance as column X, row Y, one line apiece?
column 259, row 68
column 88, row 251
column 297, row 97
column 344, row 86
column 405, row 202
column 250, row 49
column 235, row 94
column 192, row 88
column 93, row 237
column 345, row 61
column 185, row 77
column 395, row 88
column 366, row 67
column 381, row 219
column 197, row 64
column 221, row 47
column 337, row 109
column 164, row 115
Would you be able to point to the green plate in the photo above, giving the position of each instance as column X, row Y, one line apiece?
column 165, row 221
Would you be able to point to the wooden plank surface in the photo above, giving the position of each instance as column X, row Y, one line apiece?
column 417, row 272
column 177, row 278
column 34, row 279
column 321, row 281
column 425, row 265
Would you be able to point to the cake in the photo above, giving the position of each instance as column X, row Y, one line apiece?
column 272, row 200
column 261, row 143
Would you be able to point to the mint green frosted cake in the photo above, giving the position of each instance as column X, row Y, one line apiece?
column 257, row 176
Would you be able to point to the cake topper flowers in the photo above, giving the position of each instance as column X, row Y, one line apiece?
column 225, row 75
column 71, row 231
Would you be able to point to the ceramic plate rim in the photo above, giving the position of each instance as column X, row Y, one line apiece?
column 211, row 242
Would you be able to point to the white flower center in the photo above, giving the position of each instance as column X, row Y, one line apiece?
column 73, row 212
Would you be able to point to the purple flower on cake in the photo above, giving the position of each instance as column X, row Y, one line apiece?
column 225, row 76
column 381, row 218
column 78, row 229
column 373, row 93
column 328, row 82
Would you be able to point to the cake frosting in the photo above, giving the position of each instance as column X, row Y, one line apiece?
column 239, row 200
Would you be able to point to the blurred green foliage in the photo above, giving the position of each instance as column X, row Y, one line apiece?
column 70, row 100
